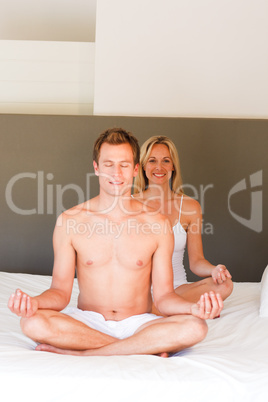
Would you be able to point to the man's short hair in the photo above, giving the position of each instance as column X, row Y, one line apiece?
column 116, row 136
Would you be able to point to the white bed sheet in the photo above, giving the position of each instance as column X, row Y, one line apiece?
column 231, row 364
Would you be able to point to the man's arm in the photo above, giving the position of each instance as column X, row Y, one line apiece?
column 165, row 298
column 59, row 294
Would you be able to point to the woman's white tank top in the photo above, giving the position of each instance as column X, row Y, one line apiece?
column 180, row 238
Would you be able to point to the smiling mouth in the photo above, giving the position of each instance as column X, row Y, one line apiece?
column 159, row 175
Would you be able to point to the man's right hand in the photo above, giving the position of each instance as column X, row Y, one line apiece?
column 22, row 304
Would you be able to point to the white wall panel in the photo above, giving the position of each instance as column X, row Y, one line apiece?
column 182, row 58
column 46, row 77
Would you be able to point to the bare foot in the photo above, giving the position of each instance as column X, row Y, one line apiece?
column 52, row 349
column 164, row 354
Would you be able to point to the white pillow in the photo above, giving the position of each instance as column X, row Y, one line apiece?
column 264, row 294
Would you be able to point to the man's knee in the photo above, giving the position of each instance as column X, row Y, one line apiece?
column 35, row 327
column 194, row 329
column 199, row 329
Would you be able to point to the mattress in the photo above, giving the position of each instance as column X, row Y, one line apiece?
column 230, row 364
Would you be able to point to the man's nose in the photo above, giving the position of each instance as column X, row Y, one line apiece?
column 117, row 170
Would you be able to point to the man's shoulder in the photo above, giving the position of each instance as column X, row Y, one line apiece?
column 144, row 207
column 77, row 212
column 155, row 220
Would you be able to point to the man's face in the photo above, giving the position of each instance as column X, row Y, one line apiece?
column 115, row 168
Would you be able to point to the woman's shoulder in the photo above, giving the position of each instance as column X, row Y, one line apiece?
column 189, row 204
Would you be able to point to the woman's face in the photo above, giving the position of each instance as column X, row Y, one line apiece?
column 159, row 167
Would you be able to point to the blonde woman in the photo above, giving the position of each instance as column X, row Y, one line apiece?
column 159, row 186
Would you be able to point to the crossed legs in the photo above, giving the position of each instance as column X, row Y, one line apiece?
column 192, row 291
column 62, row 334
column 62, row 331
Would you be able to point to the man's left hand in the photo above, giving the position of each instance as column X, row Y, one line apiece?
column 209, row 306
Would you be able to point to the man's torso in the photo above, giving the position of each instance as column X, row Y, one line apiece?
column 114, row 262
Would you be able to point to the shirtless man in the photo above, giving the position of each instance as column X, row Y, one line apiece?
column 119, row 250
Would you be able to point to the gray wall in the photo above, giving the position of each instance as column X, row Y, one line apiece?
column 215, row 154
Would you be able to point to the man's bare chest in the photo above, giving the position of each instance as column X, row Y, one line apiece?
column 105, row 242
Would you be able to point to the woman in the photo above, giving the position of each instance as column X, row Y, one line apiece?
column 159, row 185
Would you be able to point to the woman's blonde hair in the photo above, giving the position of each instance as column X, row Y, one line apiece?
column 141, row 181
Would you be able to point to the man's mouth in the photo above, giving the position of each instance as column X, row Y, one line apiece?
column 116, row 183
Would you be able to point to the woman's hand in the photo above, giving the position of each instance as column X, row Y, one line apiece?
column 220, row 273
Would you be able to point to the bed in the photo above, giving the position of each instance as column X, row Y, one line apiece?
column 231, row 364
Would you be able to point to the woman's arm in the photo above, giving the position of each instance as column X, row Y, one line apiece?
column 198, row 264
column 166, row 300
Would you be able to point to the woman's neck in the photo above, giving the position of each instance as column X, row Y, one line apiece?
column 163, row 192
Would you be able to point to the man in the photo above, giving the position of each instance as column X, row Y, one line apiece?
column 119, row 250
